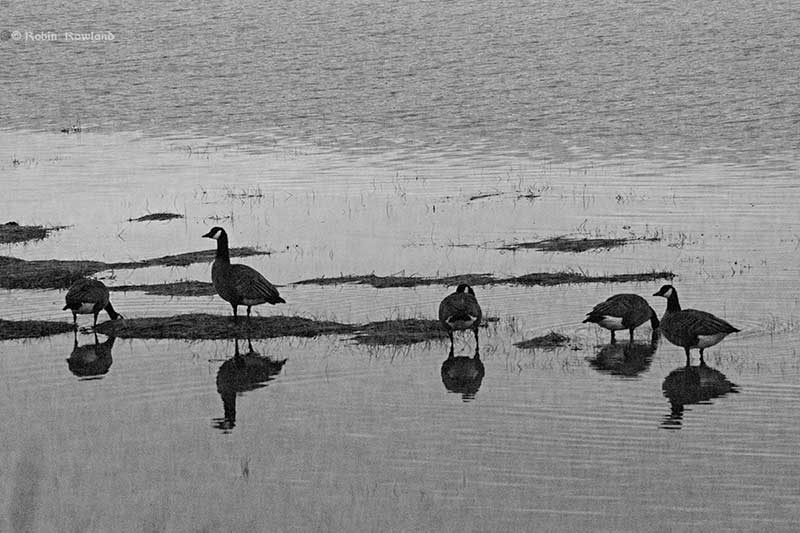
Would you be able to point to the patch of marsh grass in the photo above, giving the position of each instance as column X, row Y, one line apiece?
column 12, row 232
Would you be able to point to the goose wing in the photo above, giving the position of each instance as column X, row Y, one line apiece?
column 250, row 284
column 459, row 304
column 86, row 290
column 632, row 306
column 617, row 305
column 701, row 323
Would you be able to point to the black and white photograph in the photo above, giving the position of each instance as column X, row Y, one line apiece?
column 399, row 266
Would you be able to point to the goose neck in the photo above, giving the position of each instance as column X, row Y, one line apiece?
column 223, row 255
column 673, row 305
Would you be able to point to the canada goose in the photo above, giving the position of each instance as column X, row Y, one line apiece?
column 239, row 284
column 690, row 328
column 463, row 374
column 89, row 296
column 622, row 311
column 460, row 311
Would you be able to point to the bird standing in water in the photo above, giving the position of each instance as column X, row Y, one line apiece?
column 460, row 311
column 89, row 296
column 622, row 311
column 238, row 284
column 690, row 328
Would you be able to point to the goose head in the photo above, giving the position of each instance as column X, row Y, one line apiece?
column 215, row 233
column 666, row 291
column 465, row 288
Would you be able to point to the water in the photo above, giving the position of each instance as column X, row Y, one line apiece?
column 354, row 137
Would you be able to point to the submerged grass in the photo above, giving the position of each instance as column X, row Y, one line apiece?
column 535, row 278
column 551, row 340
column 12, row 329
column 59, row 274
column 12, row 232
column 400, row 332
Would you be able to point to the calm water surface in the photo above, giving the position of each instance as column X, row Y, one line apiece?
column 413, row 138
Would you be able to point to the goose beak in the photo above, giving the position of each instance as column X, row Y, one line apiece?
column 209, row 235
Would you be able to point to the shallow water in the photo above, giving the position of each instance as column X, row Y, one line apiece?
column 368, row 155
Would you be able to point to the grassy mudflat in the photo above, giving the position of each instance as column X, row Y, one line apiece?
column 176, row 288
column 60, row 274
column 198, row 326
column 150, row 217
column 12, row 329
column 12, row 232
column 535, row 278
column 204, row 326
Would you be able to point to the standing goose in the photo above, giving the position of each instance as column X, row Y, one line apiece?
column 622, row 311
column 239, row 284
column 460, row 311
column 87, row 296
column 690, row 328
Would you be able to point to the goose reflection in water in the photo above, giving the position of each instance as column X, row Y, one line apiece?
column 692, row 385
column 625, row 359
column 91, row 361
column 463, row 375
column 242, row 373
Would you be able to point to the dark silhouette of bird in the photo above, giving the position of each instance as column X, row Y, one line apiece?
column 460, row 311
column 89, row 296
column 622, row 311
column 239, row 284
column 690, row 328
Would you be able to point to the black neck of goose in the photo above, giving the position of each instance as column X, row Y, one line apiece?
column 222, row 249
column 112, row 313
column 672, row 303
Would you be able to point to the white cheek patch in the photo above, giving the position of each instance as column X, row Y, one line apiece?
column 611, row 322
column 669, row 292
column 216, row 234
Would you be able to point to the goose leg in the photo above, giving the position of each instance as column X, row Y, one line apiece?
column 95, row 320
column 701, row 356
column 235, row 313
column 450, row 334
column 613, row 337
column 688, row 357
column 631, row 335
column 75, row 320
column 475, row 330
column 248, row 311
